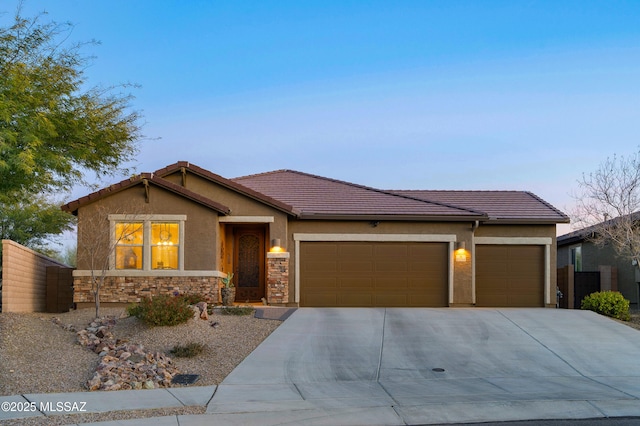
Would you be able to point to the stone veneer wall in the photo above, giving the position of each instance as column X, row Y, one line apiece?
column 24, row 273
column 277, row 278
column 133, row 289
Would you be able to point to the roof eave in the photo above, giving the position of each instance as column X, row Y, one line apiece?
column 525, row 221
column 229, row 184
column 390, row 217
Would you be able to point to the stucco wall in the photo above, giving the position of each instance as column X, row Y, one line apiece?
column 463, row 231
column 24, row 278
column 200, row 230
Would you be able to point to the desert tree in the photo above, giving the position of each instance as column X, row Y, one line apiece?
column 607, row 205
column 99, row 239
column 54, row 126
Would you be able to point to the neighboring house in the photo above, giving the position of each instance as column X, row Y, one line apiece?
column 575, row 248
column 338, row 243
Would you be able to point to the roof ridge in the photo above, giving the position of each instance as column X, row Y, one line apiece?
column 369, row 188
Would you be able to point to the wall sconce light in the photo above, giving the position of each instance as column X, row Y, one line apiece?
column 276, row 246
column 461, row 252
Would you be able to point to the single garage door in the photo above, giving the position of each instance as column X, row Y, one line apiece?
column 509, row 275
column 373, row 274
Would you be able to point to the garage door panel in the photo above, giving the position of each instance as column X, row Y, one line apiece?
column 323, row 284
column 354, row 283
column 322, row 266
column 357, row 300
column 374, row 274
column 327, row 299
column 393, row 267
column 355, row 267
column 510, row 275
column 355, row 251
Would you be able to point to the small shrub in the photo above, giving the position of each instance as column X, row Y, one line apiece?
column 162, row 310
column 609, row 303
column 134, row 310
column 237, row 310
column 187, row 351
column 192, row 299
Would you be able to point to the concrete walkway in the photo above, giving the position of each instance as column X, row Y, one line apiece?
column 412, row 366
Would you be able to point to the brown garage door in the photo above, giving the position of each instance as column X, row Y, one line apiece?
column 509, row 275
column 371, row 274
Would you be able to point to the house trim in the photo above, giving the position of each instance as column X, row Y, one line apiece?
column 246, row 219
column 422, row 238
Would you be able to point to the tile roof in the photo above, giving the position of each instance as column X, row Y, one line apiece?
column 500, row 206
column 309, row 196
column 73, row 206
column 229, row 183
column 317, row 196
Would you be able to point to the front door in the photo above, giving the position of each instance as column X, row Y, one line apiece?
column 249, row 263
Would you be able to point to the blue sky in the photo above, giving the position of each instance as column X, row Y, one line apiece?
column 523, row 95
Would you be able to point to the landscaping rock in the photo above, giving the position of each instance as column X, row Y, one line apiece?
column 124, row 365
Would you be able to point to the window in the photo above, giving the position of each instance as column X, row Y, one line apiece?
column 149, row 243
column 165, row 244
column 129, row 243
column 576, row 258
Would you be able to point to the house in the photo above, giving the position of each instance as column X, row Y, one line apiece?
column 297, row 239
column 581, row 254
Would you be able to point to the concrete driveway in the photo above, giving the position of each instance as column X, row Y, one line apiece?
column 430, row 366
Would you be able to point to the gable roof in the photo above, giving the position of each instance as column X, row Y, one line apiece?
column 228, row 183
column 500, row 206
column 144, row 179
column 310, row 196
column 321, row 197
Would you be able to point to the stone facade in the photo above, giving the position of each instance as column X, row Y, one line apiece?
column 277, row 278
column 132, row 289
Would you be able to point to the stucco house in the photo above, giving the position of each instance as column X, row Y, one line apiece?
column 576, row 249
column 298, row 239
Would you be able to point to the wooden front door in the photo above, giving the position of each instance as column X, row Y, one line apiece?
column 249, row 263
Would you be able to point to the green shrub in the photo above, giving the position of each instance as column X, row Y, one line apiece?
column 187, row 351
column 609, row 303
column 162, row 310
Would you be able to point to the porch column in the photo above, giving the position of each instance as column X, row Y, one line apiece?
column 277, row 278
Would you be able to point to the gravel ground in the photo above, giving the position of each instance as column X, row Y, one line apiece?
column 38, row 356
column 32, row 347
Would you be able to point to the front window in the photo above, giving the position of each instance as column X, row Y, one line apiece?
column 148, row 242
column 165, row 244
column 129, row 244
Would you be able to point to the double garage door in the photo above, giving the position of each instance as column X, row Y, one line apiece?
column 414, row 274
column 372, row 274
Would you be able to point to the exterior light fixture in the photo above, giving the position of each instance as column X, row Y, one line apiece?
column 276, row 246
column 461, row 252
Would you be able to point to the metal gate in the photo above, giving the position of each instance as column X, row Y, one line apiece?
column 585, row 283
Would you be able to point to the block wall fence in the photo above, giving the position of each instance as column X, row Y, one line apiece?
column 24, row 278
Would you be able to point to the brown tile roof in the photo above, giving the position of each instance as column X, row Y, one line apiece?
column 228, row 183
column 500, row 206
column 309, row 196
column 73, row 206
column 319, row 197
